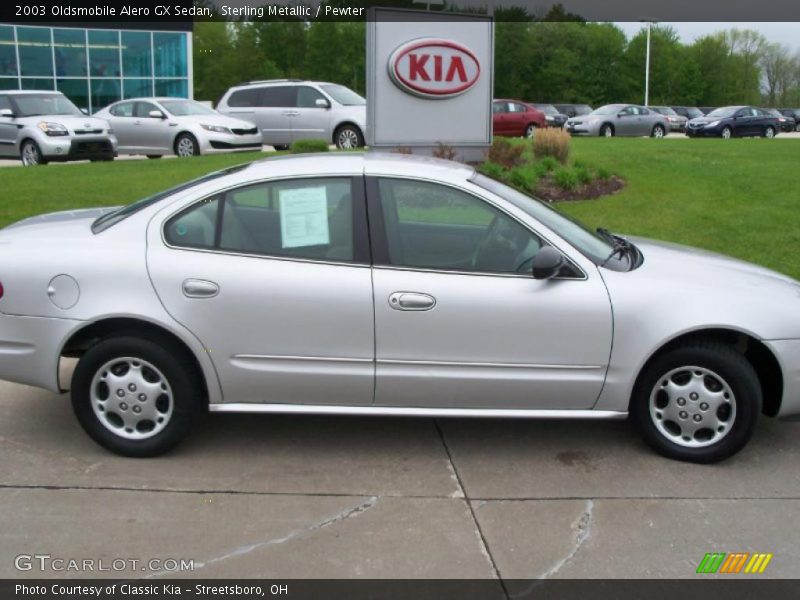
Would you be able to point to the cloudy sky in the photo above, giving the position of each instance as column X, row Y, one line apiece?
column 784, row 33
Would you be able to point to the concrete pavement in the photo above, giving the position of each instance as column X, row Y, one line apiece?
column 286, row 496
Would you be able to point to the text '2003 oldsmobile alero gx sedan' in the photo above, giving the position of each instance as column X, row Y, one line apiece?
column 388, row 285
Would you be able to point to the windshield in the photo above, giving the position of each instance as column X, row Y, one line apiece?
column 547, row 109
column 727, row 111
column 33, row 105
column 595, row 247
column 343, row 95
column 186, row 108
column 609, row 109
column 109, row 219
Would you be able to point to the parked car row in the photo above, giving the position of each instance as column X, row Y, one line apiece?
column 44, row 126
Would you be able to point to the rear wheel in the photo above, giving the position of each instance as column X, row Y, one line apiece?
column 658, row 132
column 697, row 403
column 135, row 396
column 30, row 155
column 607, row 131
column 530, row 131
column 348, row 137
column 769, row 132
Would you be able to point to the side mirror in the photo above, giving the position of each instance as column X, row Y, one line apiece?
column 156, row 114
column 547, row 263
column 322, row 103
column 6, row 112
column 621, row 114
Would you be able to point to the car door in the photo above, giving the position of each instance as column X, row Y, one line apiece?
column 459, row 320
column 122, row 121
column 500, row 118
column 277, row 105
column 274, row 279
column 625, row 122
column 743, row 122
column 312, row 119
column 8, row 129
column 518, row 118
column 153, row 134
column 645, row 120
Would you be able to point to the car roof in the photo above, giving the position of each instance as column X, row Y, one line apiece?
column 354, row 163
column 272, row 82
column 28, row 92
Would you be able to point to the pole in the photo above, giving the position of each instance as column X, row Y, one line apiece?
column 647, row 69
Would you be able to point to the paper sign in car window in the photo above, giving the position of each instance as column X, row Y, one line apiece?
column 304, row 217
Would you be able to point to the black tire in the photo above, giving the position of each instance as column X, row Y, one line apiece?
column 730, row 133
column 190, row 141
column 280, row 147
column 530, row 131
column 349, row 132
column 607, row 130
column 35, row 154
column 769, row 132
column 656, row 130
column 154, row 156
column 735, row 371
column 172, row 361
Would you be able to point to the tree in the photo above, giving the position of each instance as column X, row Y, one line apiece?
column 779, row 74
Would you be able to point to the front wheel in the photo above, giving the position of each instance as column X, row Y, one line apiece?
column 136, row 396
column 349, row 137
column 30, row 154
column 607, row 131
column 658, row 132
column 698, row 403
column 727, row 133
column 186, row 145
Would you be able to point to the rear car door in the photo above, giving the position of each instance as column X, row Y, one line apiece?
column 500, row 125
column 8, row 130
column 311, row 120
column 274, row 279
column 275, row 112
column 518, row 118
column 459, row 320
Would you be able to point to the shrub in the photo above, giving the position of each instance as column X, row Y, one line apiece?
column 603, row 174
column 504, row 153
column 548, row 163
column 444, row 151
column 583, row 174
column 493, row 170
column 552, row 142
column 309, row 145
column 566, row 178
column 523, row 178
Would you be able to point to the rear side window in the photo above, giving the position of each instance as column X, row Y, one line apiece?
column 123, row 109
column 244, row 98
column 279, row 96
column 299, row 218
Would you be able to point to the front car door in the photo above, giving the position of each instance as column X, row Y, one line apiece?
column 312, row 120
column 625, row 122
column 459, row 320
column 123, row 122
column 500, row 125
column 743, row 122
column 275, row 112
column 274, row 279
column 154, row 134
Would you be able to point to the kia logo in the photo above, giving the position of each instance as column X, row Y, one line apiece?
column 433, row 68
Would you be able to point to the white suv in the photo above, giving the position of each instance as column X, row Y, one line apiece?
column 43, row 126
column 286, row 110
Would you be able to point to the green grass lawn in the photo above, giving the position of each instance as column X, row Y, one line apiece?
column 739, row 197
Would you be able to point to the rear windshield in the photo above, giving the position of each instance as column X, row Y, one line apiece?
column 110, row 219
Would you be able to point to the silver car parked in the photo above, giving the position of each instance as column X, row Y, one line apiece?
column 159, row 126
column 619, row 119
column 287, row 110
column 350, row 284
column 41, row 127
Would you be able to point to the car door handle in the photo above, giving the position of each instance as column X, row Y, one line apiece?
column 137, row 122
column 411, row 301
column 290, row 113
column 199, row 288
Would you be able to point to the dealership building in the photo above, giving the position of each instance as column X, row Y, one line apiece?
column 96, row 66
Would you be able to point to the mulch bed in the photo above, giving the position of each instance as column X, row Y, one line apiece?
column 548, row 191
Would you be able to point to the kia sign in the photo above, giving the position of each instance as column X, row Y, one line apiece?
column 429, row 81
column 434, row 68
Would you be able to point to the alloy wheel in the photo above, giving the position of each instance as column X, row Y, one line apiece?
column 131, row 398
column 348, row 139
column 692, row 407
column 530, row 131
column 658, row 132
column 769, row 133
column 185, row 147
column 30, row 155
column 726, row 133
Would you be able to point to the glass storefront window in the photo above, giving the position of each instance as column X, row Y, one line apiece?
column 76, row 90
column 169, row 54
column 136, row 88
column 104, row 92
column 9, row 83
column 37, row 83
column 35, row 51
column 178, row 88
column 69, row 48
column 136, row 54
column 104, row 53
column 8, row 54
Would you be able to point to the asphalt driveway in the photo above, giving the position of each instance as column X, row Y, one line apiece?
column 291, row 496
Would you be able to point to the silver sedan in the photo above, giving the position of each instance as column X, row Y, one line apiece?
column 158, row 126
column 619, row 119
column 374, row 284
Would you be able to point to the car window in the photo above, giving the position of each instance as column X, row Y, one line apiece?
column 244, row 98
column 142, row 109
column 499, row 107
column 516, row 108
column 643, row 111
column 437, row 227
column 627, row 111
column 299, row 218
column 123, row 109
column 278, row 96
column 307, row 97
column 5, row 103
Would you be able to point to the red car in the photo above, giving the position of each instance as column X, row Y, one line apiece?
column 512, row 118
